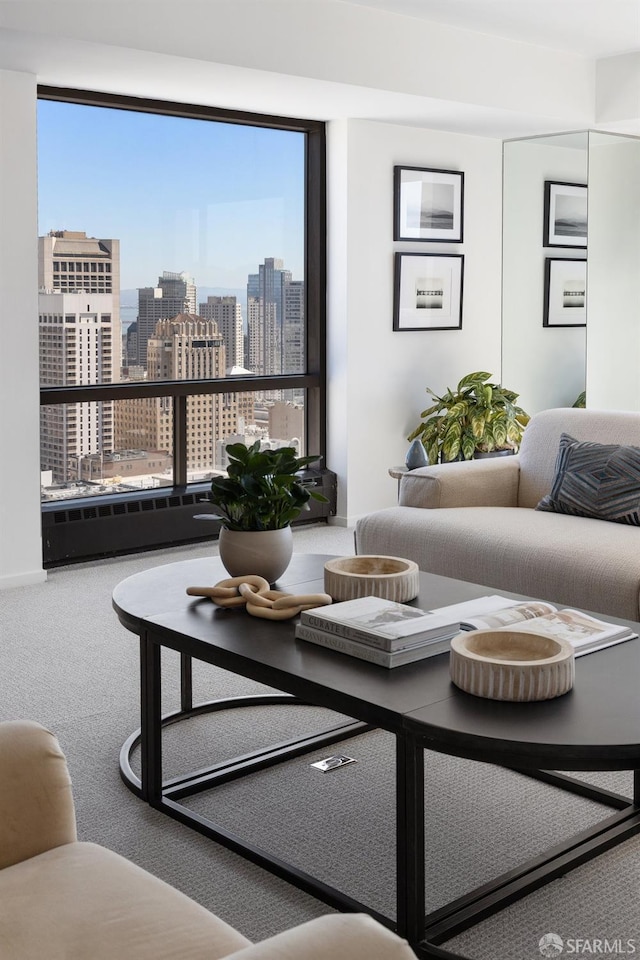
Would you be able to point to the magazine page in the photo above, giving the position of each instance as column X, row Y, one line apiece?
column 515, row 614
column 578, row 628
column 469, row 609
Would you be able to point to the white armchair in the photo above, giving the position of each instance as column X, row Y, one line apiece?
column 62, row 899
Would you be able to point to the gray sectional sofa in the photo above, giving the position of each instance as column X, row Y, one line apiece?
column 476, row 520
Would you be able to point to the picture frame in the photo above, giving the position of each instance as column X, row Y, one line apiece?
column 565, row 292
column 428, row 204
column 565, row 214
column 428, row 291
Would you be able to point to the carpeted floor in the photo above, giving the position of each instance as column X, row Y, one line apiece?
column 66, row 661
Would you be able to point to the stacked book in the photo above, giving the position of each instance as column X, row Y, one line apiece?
column 381, row 631
column 391, row 634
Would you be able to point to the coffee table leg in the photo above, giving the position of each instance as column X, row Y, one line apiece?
column 636, row 788
column 186, row 682
column 150, row 721
column 410, row 838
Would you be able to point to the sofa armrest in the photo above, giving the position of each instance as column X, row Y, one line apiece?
column 349, row 936
column 490, row 482
column 36, row 805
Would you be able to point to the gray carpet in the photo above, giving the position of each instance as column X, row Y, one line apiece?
column 66, row 661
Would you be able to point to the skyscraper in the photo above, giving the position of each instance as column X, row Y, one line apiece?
column 293, row 334
column 227, row 313
column 175, row 294
column 186, row 347
column 69, row 260
column 80, row 343
column 265, row 317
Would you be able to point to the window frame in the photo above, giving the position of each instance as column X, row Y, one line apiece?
column 313, row 380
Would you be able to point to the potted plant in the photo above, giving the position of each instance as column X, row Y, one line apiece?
column 476, row 418
column 256, row 503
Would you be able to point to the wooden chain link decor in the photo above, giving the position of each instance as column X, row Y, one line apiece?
column 260, row 600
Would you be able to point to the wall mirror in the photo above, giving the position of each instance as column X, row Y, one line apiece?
column 570, row 304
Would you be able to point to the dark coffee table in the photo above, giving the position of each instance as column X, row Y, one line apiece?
column 596, row 726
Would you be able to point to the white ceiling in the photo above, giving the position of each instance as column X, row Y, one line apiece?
column 205, row 54
column 591, row 28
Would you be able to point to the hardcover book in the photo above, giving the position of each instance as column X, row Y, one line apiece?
column 381, row 623
column 391, row 627
column 365, row 651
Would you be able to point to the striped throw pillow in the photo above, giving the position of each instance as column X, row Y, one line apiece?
column 599, row 480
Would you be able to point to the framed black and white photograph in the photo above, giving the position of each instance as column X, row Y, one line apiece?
column 565, row 293
column 428, row 291
column 565, row 214
column 428, row 204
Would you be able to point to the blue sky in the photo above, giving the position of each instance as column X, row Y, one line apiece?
column 212, row 199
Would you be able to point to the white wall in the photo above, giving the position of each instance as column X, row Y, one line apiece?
column 377, row 376
column 613, row 304
column 618, row 92
column 545, row 365
column 20, row 538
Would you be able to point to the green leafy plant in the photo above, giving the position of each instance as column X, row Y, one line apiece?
column 477, row 415
column 581, row 400
column 262, row 490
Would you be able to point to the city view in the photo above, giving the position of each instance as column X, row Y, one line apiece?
column 125, row 304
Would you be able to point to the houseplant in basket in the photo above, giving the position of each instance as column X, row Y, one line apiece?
column 256, row 502
column 477, row 418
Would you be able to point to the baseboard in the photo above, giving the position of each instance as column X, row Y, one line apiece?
column 350, row 521
column 22, row 579
column 338, row 522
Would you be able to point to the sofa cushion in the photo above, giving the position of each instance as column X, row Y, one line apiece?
column 36, row 804
column 599, row 480
column 573, row 561
column 539, row 447
column 80, row 901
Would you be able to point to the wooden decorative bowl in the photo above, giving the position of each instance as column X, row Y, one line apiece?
column 392, row 578
column 512, row 665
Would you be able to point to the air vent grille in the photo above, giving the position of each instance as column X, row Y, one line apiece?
column 120, row 525
column 118, row 509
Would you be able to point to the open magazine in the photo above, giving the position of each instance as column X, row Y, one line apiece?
column 584, row 632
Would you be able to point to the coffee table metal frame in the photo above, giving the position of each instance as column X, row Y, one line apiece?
column 433, row 726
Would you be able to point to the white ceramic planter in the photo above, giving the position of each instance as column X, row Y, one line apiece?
column 264, row 553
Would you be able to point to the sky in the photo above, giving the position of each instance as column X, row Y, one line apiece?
column 208, row 198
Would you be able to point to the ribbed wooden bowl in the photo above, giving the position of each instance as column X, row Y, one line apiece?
column 392, row 578
column 511, row 665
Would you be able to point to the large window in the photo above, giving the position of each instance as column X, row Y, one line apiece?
column 181, row 290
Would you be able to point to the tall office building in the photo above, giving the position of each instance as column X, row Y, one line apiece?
column 69, row 260
column 293, row 334
column 265, row 317
column 174, row 295
column 80, row 343
column 227, row 313
column 254, row 346
column 186, row 347
column 263, row 338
